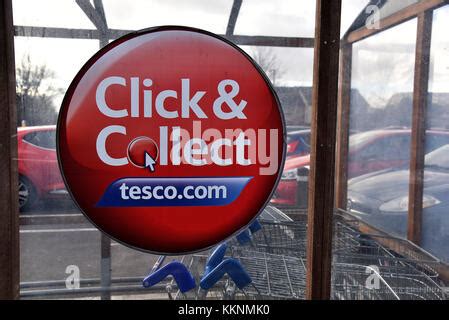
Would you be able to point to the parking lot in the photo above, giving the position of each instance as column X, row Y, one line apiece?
column 55, row 238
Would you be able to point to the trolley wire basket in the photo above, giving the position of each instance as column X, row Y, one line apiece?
column 267, row 261
column 368, row 282
column 273, row 276
column 359, row 258
column 350, row 282
column 352, row 246
column 287, row 238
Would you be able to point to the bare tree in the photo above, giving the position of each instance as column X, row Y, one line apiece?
column 269, row 62
column 35, row 93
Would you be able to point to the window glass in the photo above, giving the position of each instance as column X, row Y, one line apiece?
column 382, row 79
column 276, row 18
column 298, row 143
column 43, row 139
column 290, row 70
column 349, row 11
column 359, row 139
column 141, row 14
column 50, row 13
column 381, row 107
column 387, row 148
column 372, row 257
column 435, row 221
column 438, row 158
column 62, row 253
column 435, row 140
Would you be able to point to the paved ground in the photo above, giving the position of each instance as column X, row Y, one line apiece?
column 56, row 235
column 47, row 250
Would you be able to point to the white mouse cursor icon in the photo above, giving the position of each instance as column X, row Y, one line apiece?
column 149, row 162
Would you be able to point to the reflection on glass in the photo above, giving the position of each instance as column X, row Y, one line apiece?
column 380, row 111
column 276, row 18
column 39, row 177
column 435, row 221
column 380, row 120
column 62, row 252
column 381, row 198
column 371, row 257
column 372, row 266
column 382, row 79
column 290, row 71
column 349, row 11
column 141, row 14
column 49, row 13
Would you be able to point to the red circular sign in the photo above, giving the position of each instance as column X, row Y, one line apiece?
column 171, row 139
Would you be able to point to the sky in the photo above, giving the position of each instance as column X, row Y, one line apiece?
column 386, row 58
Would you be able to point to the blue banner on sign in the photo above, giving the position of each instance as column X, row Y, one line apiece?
column 171, row 192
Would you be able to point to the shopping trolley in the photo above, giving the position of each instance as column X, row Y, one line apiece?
column 286, row 237
column 201, row 276
column 368, row 282
column 267, row 261
column 283, row 238
column 274, row 276
column 352, row 282
column 359, row 258
column 289, row 237
column 231, row 273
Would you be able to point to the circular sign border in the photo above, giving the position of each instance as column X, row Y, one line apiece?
column 87, row 65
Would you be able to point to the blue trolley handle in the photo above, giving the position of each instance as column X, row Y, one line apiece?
column 244, row 237
column 184, row 279
column 216, row 257
column 255, row 226
column 230, row 266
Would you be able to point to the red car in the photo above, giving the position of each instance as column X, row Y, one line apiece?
column 298, row 143
column 292, row 188
column 368, row 152
column 39, row 176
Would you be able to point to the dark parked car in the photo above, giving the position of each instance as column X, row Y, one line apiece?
column 381, row 199
column 369, row 151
